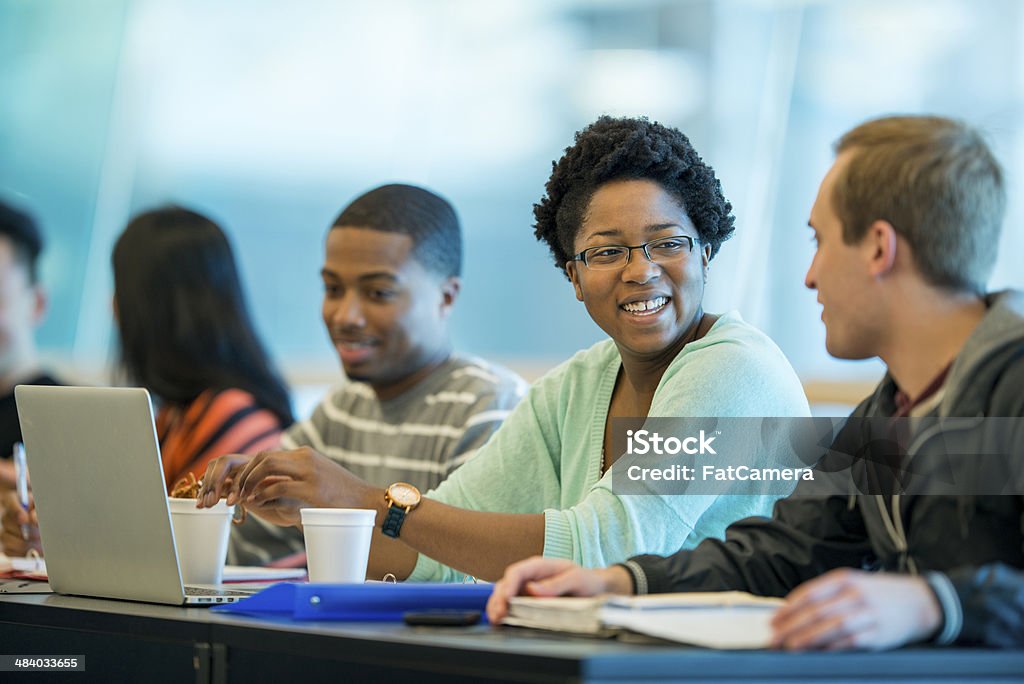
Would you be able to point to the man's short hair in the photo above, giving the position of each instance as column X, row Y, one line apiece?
column 427, row 218
column 21, row 229
column 939, row 185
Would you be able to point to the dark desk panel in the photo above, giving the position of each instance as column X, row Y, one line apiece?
column 121, row 641
column 133, row 641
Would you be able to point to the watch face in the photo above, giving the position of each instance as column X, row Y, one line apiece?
column 403, row 494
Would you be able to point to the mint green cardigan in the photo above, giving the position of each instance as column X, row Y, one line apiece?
column 547, row 455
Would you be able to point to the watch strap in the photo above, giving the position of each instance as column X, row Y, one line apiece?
column 393, row 521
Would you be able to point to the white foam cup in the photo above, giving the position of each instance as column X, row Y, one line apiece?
column 337, row 543
column 201, row 537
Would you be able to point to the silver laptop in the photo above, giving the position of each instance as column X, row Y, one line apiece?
column 94, row 463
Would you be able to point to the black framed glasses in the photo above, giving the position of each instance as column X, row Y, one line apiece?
column 661, row 251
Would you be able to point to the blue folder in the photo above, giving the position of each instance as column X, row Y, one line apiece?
column 372, row 602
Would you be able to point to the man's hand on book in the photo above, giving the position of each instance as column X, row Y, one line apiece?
column 554, row 577
column 850, row 609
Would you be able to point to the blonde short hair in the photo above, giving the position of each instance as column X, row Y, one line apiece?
column 939, row 185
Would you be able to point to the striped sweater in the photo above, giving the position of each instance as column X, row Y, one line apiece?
column 216, row 423
column 419, row 437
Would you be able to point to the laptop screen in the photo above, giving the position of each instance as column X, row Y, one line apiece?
column 94, row 464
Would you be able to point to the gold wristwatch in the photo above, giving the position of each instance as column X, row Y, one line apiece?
column 401, row 498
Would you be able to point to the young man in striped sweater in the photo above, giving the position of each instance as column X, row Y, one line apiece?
column 411, row 410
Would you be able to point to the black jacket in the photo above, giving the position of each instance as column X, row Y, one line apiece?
column 969, row 548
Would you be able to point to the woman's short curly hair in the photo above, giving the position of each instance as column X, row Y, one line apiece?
column 629, row 149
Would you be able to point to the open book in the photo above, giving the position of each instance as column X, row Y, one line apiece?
column 728, row 620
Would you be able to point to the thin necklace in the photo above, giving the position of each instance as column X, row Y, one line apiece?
column 690, row 338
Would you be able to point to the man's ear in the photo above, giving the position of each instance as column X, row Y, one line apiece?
column 571, row 270
column 705, row 256
column 450, row 288
column 40, row 304
column 879, row 248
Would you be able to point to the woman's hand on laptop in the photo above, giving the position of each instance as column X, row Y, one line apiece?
column 275, row 484
column 17, row 520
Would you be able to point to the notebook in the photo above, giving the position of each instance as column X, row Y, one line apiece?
column 94, row 463
column 726, row 620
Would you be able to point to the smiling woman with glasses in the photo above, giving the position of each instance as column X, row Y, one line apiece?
column 632, row 216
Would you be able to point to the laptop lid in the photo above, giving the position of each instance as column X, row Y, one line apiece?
column 98, row 484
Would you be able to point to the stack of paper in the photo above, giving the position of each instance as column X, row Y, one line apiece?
column 732, row 620
column 251, row 573
column 33, row 567
column 23, row 575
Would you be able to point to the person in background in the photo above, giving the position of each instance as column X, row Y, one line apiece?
column 411, row 409
column 633, row 217
column 907, row 225
column 22, row 308
column 185, row 334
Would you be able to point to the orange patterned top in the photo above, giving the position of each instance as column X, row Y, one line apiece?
column 216, row 423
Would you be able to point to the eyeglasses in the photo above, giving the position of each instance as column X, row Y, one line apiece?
column 661, row 251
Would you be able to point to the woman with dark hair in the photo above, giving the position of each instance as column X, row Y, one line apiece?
column 633, row 217
column 186, row 336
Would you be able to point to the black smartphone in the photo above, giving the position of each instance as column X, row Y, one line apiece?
column 442, row 618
